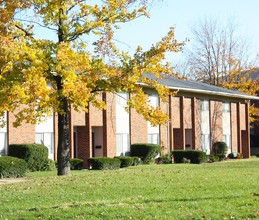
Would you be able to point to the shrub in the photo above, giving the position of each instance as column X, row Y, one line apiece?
column 146, row 152
column 231, row 156
column 257, row 154
column 212, row 158
column 136, row 161
column 12, row 167
column 76, row 164
column 35, row 155
column 220, row 148
column 164, row 159
column 239, row 155
column 104, row 163
column 126, row 161
column 48, row 165
column 195, row 156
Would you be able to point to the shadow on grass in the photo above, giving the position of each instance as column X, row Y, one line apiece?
column 191, row 199
column 135, row 201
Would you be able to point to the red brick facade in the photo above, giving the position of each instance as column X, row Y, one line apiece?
column 94, row 133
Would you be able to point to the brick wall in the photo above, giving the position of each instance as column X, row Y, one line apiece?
column 196, row 124
column 84, row 143
column 187, row 113
column 234, row 127
column 138, row 128
column 109, row 125
column 216, row 126
column 164, row 129
column 22, row 134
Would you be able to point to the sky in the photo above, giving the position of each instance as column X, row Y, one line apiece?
column 183, row 14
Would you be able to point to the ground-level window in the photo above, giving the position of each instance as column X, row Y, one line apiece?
column 205, row 126
column 47, row 139
column 205, row 142
column 227, row 140
column 122, row 145
column 153, row 138
column 3, row 143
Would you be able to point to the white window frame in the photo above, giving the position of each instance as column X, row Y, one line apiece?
column 122, row 144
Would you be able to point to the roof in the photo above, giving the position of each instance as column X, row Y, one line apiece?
column 198, row 87
column 254, row 75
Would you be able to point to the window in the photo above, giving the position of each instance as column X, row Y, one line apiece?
column 205, row 142
column 153, row 100
column 226, row 123
column 46, row 138
column 3, row 143
column 226, row 107
column 121, row 99
column 204, row 105
column 122, row 145
column 153, row 138
column 205, row 126
column 227, row 140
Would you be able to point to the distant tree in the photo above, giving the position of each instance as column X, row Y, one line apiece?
column 42, row 76
column 217, row 55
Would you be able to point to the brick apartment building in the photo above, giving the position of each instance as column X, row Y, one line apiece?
column 199, row 114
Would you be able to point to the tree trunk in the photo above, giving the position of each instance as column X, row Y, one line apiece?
column 64, row 140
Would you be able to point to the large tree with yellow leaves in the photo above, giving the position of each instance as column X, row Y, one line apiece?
column 56, row 75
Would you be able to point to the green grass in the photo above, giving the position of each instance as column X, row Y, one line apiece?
column 223, row 190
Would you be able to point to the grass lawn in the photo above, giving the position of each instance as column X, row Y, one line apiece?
column 222, row 190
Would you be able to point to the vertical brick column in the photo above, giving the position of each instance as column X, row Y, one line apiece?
column 246, row 134
column 71, row 133
column 109, row 125
column 239, row 148
column 182, row 128
column 171, row 137
column 179, row 133
column 164, row 128
column 138, row 128
column 194, row 122
column 234, row 125
column 216, row 121
column 175, row 119
column 84, row 140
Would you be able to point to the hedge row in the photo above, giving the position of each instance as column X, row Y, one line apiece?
column 12, row 167
column 128, row 161
column 76, row 164
column 195, row 156
column 105, row 163
column 35, row 155
column 146, row 152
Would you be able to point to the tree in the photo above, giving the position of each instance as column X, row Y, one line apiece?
column 219, row 56
column 40, row 76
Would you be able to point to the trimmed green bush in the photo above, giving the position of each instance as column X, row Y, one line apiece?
column 76, row 164
column 212, row 158
column 104, row 163
column 35, row 155
column 49, row 165
column 126, row 161
column 146, row 152
column 12, row 167
column 136, row 161
column 195, row 156
column 164, row 159
column 220, row 149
